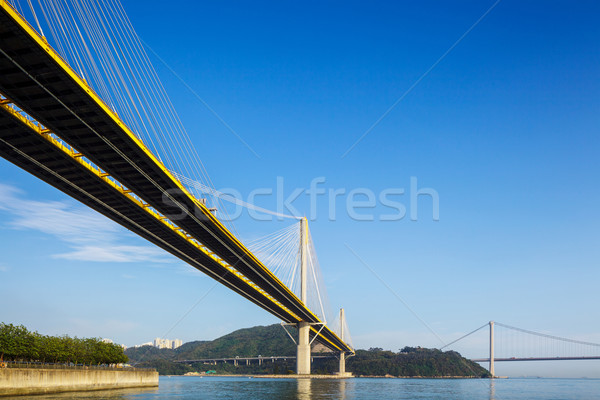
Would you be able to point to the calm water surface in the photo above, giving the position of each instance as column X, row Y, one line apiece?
column 447, row 389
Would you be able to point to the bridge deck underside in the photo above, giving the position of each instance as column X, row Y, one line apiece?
column 30, row 151
column 34, row 78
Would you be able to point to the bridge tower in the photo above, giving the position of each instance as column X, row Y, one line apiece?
column 303, row 349
column 342, row 369
column 492, row 372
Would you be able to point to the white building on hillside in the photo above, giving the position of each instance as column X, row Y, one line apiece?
column 167, row 343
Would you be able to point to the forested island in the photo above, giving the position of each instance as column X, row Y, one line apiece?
column 273, row 341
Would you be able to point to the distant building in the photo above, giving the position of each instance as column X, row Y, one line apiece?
column 162, row 343
column 167, row 343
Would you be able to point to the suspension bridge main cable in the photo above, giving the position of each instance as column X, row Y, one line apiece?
column 464, row 336
column 548, row 336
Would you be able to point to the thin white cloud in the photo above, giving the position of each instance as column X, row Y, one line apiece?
column 3, row 268
column 91, row 236
column 113, row 253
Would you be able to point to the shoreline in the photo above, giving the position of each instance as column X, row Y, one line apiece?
column 319, row 376
column 34, row 381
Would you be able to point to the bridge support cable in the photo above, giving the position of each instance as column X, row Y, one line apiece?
column 491, row 343
column 544, row 335
column 510, row 343
column 227, row 245
column 281, row 253
column 113, row 200
column 199, row 187
column 290, row 254
column 99, row 40
column 43, row 85
column 521, row 344
column 464, row 336
column 179, row 199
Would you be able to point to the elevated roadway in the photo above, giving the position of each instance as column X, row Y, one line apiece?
column 67, row 136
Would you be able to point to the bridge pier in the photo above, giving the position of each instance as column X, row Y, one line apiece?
column 342, row 365
column 303, row 349
column 342, row 369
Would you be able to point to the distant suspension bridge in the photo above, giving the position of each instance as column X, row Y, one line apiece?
column 510, row 343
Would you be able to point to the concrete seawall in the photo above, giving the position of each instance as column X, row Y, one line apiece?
column 22, row 381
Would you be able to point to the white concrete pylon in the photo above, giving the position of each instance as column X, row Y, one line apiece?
column 303, row 349
column 342, row 368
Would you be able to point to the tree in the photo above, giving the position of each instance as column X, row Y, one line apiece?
column 17, row 343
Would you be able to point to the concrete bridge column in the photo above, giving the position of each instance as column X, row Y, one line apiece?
column 303, row 350
column 342, row 363
column 342, row 368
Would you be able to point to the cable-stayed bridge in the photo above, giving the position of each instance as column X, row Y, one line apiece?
column 509, row 343
column 83, row 113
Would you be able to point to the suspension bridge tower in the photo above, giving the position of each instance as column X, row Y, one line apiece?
column 492, row 372
column 303, row 349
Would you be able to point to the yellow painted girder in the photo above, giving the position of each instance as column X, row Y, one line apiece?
column 69, row 151
column 43, row 44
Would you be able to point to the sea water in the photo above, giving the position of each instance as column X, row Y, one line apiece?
column 235, row 388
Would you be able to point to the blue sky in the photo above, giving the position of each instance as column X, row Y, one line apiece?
column 505, row 129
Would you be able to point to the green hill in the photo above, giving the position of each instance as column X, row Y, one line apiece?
column 250, row 342
column 273, row 341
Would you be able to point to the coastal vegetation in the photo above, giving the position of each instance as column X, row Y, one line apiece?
column 19, row 344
